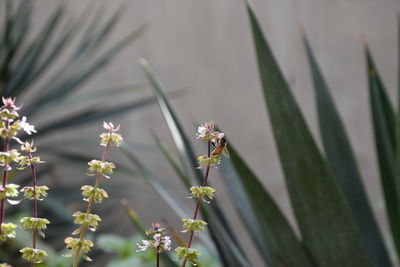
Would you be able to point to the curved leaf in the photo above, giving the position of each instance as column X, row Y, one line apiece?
column 384, row 122
column 341, row 159
column 271, row 232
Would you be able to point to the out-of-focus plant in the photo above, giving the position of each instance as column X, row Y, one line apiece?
column 93, row 194
column 335, row 220
column 125, row 248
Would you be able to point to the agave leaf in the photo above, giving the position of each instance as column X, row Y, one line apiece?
column 384, row 121
column 325, row 221
column 227, row 245
column 271, row 232
column 341, row 159
column 168, row 154
column 34, row 50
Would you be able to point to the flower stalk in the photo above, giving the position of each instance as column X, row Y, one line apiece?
column 206, row 133
column 93, row 194
column 34, row 193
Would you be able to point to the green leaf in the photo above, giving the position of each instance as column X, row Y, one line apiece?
column 172, row 161
column 341, row 159
column 230, row 252
column 384, row 122
column 271, row 232
column 324, row 218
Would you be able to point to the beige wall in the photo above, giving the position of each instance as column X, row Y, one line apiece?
column 206, row 48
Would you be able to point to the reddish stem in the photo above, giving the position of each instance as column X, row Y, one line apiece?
column 4, row 179
column 196, row 210
column 34, row 234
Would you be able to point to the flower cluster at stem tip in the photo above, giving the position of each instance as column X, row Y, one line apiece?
column 159, row 242
column 93, row 194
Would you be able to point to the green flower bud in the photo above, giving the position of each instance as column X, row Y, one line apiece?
column 193, row 225
column 202, row 191
column 98, row 194
column 91, row 220
column 33, row 223
column 10, row 191
column 7, row 231
column 205, row 161
column 33, row 255
column 76, row 244
column 112, row 138
column 24, row 162
column 40, row 191
column 189, row 254
column 102, row 167
column 9, row 157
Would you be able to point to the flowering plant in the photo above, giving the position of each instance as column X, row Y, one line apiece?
column 93, row 194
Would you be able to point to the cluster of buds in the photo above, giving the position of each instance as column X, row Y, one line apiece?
column 158, row 243
column 35, row 193
column 207, row 133
column 93, row 194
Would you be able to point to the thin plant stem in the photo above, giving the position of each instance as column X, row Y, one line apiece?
column 196, row 210
column 158, row 259
column 4, row 179
column 90, row 205
column 34, row 234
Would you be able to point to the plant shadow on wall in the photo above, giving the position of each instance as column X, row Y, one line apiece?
column 46, row 72
column 331, row 208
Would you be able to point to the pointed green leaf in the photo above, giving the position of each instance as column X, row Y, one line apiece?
column 325, row 221
column 270, row 230
column 384, row 122
column 341, row 159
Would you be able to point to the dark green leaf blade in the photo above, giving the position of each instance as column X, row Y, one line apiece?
column 341, row 159
column 270, row 230
column 325, row 220
column 384, row 122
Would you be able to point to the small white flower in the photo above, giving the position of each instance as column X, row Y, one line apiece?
column 166, row 243
column 157, row 240
column 28, row 128
column 146, row 245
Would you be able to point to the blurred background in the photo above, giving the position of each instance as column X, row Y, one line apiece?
column 203, row 53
